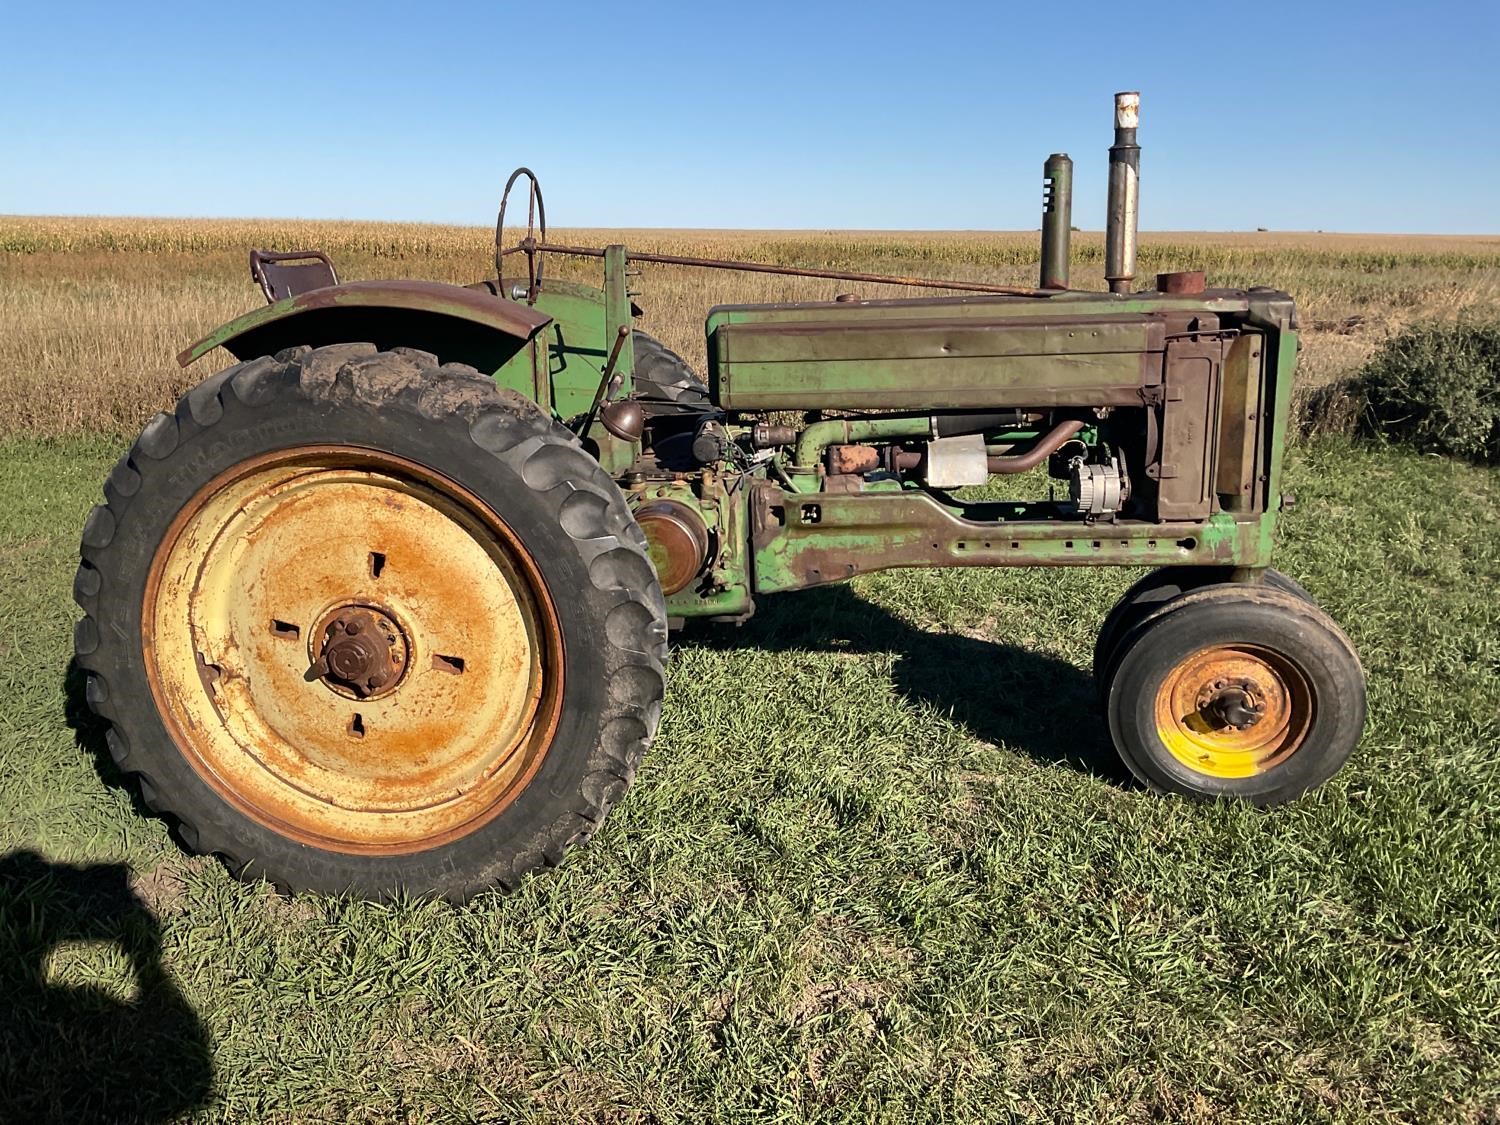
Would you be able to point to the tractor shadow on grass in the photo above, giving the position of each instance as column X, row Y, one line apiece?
column 129, row 1049
column 1039, row 705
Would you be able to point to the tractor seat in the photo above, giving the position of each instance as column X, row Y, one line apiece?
column 279, row 279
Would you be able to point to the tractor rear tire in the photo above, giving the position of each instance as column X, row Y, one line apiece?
column 1233, row 691
column 361, row 622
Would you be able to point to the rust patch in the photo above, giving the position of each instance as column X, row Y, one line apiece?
column 1048, row 444
column 359, row 651
column 426, row 757
column 1233, row 710
column 856, row 459
column 677, row 541
column 455, row 301
column 1183, row 281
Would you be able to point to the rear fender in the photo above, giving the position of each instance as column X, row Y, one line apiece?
column 457, row 324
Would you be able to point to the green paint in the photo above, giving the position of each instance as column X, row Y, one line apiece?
column 1069, row 303
column 1070, row 350
column 617, row 312
column 1057, row 219
column 820, row 435
column 576, row 348
column 724, row 587
column 864, row 532
column 921, row 363
column 1285, row 348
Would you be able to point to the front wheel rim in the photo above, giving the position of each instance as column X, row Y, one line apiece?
column 1234, row 711
column 352, row 649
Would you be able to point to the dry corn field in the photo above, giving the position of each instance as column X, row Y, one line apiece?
column 93, row 310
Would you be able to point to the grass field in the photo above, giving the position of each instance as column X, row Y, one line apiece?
column 880, row 863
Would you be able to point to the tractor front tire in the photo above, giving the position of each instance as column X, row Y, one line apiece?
column 1243, row 692
column 1151, row 594
column 363, row 622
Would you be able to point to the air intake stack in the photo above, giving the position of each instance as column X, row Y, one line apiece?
column 1057, row 219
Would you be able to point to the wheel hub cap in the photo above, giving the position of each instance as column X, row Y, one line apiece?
column 361, row 652
column 1239, row 705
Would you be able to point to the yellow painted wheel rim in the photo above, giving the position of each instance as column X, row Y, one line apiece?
column 239, row 606
column 1193, row 728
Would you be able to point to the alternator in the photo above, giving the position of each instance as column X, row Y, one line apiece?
column 1098, row 490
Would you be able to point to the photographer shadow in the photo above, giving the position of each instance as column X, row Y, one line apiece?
column 1004, row 694
column 82, row 1052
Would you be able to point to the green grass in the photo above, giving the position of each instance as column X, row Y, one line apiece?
column 879, row 865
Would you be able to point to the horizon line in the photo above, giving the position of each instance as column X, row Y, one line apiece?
column 7, row 215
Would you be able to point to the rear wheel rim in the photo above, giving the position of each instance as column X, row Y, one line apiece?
column 353, row 650
column 1233, row 711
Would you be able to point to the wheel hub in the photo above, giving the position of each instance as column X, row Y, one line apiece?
column 1233, row 703
column 360, row 651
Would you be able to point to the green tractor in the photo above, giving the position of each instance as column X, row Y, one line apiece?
column 383, row 608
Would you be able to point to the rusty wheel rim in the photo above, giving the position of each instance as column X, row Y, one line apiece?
column 352, row 649
column 1233, row 711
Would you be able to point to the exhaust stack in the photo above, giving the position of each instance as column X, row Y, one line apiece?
column 1124, row 195
column 1057, row 219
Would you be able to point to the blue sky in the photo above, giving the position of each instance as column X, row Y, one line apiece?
column 1334, row 116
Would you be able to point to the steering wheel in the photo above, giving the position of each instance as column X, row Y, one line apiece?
column 536, row 232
